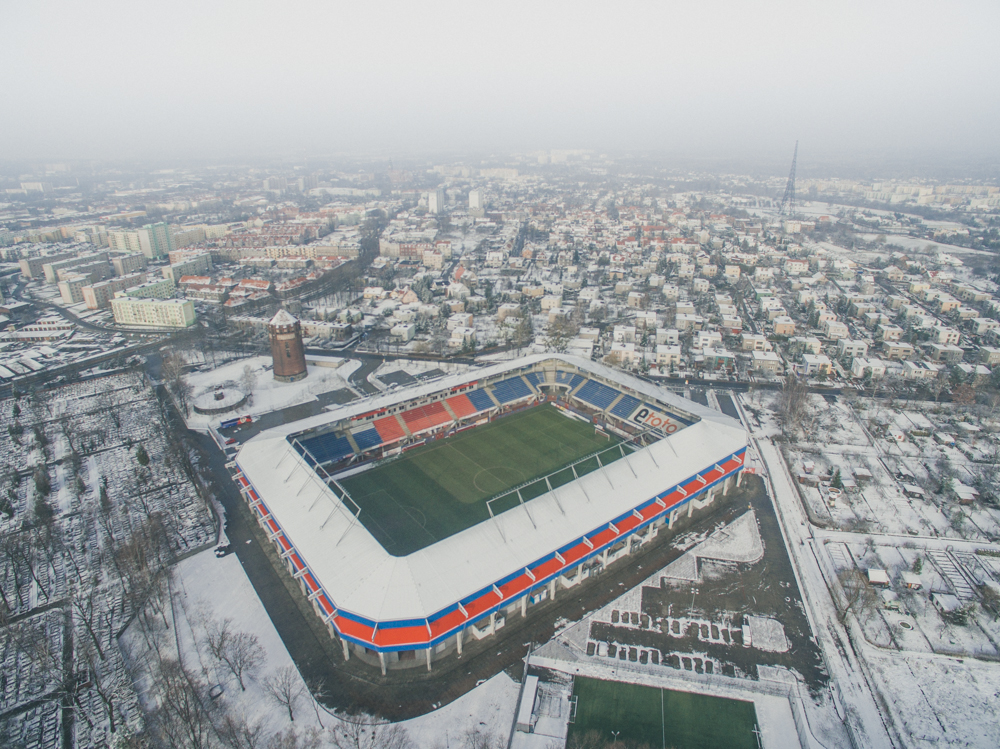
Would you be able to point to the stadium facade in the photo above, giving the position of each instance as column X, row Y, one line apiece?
column 400, row 611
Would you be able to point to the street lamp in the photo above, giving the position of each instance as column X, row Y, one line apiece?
column 616, row 734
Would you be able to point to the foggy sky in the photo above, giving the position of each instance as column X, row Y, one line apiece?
column 242, row 79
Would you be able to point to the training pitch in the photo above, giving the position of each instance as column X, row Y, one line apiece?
column 437, row 490
column 661, row 717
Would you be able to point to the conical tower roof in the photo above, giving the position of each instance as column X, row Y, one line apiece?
column 283, row 318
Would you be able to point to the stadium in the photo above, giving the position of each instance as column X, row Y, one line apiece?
column 422, row 517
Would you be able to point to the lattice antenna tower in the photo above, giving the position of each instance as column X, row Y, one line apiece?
column 788, row 199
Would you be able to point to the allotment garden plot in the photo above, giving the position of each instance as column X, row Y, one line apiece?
column 98, row 497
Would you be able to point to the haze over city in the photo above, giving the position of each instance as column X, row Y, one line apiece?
column 510, row 376
column 741, row 81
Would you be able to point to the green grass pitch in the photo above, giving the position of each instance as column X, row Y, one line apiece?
column 661, row 717
column 437, row 490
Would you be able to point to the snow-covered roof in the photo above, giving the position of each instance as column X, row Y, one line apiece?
column 361, row 577
column 283, row 318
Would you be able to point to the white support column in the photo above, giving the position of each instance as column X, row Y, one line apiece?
column 604, row 557
column 458, row 640
column 690, row 506
column 739, row 476
column 552, row 589
column 429, row 657
column 347, row 650
column 673, row 516
column 381, row 661
column 524, row 605
column 493, row 623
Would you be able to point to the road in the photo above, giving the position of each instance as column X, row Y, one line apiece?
column 359, row 378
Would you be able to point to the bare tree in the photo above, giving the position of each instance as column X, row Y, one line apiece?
column 248, row 380
column 859, row 597
column 792, row 404
column 991, row 599
column 363, row 731
column 239, row 651
column 285, row 688
column 181, row 719
column 317, row 688
column 559, row 333
column 475, row 738
column 241, row 731
column 290, row 739
column 173, row 374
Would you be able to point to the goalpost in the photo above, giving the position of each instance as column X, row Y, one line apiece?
column 598, row 430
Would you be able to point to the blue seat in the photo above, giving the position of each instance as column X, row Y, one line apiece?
column 537, row 379
column 368, row 439
column 481, row 400
column 328, row 447
column 568, row 378
column 596, row 394
column 624, row 408
column 511, row 389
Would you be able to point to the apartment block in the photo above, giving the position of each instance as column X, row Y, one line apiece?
column 99, row 295
column 160, row 288
column 193, row 265
column 132, row 262
column 159, row 313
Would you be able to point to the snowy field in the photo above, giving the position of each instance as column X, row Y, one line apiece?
column 941, row 701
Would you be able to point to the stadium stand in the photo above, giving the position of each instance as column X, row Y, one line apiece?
column 568, row 378
column 511, row 389
column 481, row 400
column 426, row 417
column 367, row 438
column 327, row 447
column 537, row 379
column 461, row 406
column 597, row 395
column 389, row 429
column 624, row 408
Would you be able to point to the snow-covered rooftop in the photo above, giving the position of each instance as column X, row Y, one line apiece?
column 283, row 318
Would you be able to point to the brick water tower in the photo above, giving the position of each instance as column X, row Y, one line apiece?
column 286, row 347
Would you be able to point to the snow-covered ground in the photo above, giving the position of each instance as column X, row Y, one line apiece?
column 207, row 589
column 268, row 394
column 737, row 542
column 489, row 709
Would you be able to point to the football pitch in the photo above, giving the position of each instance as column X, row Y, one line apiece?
column 661, row 717
column 437, row 490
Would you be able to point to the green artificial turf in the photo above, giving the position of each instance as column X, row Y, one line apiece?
column 437, row 490
column 661, row 718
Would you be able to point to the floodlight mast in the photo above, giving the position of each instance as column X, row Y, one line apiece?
column 788, row 199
